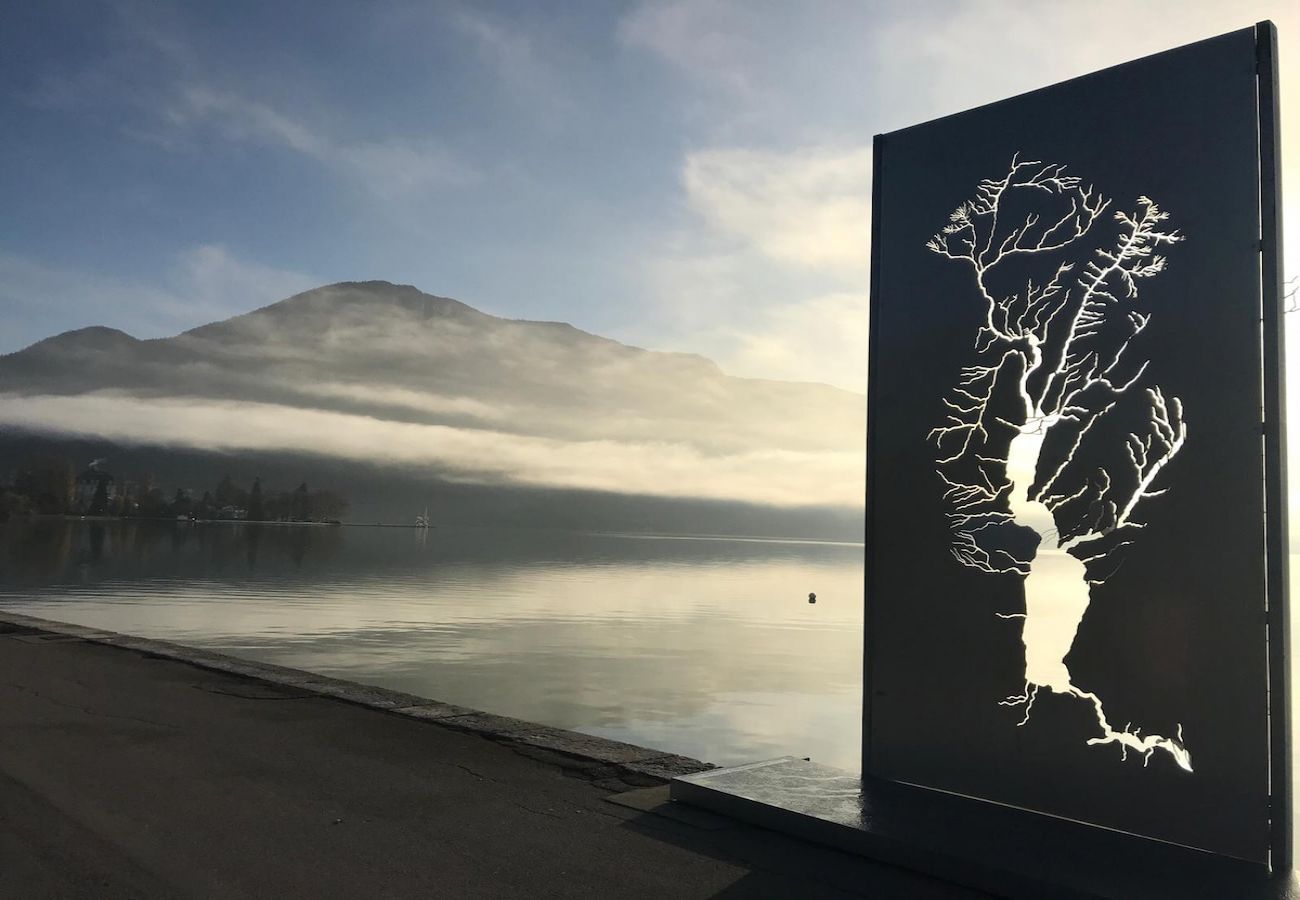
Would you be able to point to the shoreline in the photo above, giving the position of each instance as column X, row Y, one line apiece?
column 272, row 522
column 165, row 771
column 637, row 535
column 633, row 764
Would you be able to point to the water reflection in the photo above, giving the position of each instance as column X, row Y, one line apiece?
column 704, row 647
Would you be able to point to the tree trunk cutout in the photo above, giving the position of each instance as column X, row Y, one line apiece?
column 1053, row 358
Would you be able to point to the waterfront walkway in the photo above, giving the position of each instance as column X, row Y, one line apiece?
column 126, row 772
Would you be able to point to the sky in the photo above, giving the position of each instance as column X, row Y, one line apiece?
column 689, row 175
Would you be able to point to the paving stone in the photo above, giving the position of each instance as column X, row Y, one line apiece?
column 363, row 694
column 432, row 710
column 668, row 766
column 37, row 637
column 21, row 621
column 265, row 671
column 584, row 745
column 145, row 645
column 487, row 723
column 78, row 631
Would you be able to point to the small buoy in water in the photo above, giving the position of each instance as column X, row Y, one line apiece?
column 812, row 598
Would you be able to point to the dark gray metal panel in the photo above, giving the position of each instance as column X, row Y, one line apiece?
column 1279, row 633
column 1172, row 640
column 873, row 356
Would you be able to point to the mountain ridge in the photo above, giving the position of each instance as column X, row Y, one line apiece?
column 389, row 375
column 460, row 306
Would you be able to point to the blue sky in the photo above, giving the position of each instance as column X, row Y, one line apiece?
column 677, row 175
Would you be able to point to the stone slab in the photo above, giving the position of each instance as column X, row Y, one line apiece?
column 38, row 638
column 668, row 766
column 268, row 671
column 207, row 659
column 486, row 723
column 144, row 645
column 1009, row 852
column 646, row 799
column 66, row 630
column 431, row 710
column 361, row 694
column 13, row 621
column 583, row 745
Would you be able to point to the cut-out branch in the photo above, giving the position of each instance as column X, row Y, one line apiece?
column 1053, row 359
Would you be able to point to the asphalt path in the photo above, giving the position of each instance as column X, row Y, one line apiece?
column 124, row 774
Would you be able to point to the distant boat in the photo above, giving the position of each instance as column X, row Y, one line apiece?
column 423, row 521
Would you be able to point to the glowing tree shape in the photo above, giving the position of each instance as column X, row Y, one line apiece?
column 1053, row 358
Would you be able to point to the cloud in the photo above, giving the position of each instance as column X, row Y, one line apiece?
column 36, row 298
column 659, row 413
column 205, row 282
column 162, row 84
column 718, row 305
column 513, row 54
column 940, row 60
column 819, row 339
column 810, row 207
column 781, row 201
column 766, row 476
column 769, row 276
column 392, row 167
column 212, row 278
column 703, row 38
column 421, row 401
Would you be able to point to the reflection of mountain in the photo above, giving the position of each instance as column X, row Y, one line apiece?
column 377, row 373
column 59, row 551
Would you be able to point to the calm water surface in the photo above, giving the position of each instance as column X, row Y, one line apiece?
column 705, row 647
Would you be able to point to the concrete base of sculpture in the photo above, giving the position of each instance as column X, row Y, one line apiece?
column 1007, row 851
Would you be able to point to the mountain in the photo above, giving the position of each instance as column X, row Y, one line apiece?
column 390, row 378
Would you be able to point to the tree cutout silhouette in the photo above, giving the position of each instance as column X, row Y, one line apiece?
column 1017, row 449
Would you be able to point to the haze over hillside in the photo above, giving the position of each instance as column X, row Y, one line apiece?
column 387, row 375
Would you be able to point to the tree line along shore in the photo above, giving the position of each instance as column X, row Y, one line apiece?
column 52, row 486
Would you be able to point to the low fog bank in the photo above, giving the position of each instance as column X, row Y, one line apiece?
column 668, row 469
column 388, row 494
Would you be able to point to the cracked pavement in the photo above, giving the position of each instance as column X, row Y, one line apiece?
column 125, row 775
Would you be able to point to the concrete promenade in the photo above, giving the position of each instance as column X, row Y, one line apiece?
column 136, row 768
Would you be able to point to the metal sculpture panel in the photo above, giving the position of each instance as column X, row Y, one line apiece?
column 1067, row 585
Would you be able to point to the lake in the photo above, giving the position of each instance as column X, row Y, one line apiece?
column 702, row 646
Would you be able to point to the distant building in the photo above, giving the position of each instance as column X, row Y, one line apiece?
column 88, row 485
